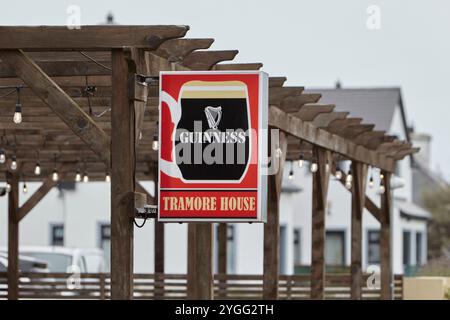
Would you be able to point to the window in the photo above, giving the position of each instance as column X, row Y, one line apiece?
column 335, row 248
column 373, row 247
column 406, row 248
column 57, row 235
column 419, row 257
column 105, row 243
column 297, row 247
column 231, row 249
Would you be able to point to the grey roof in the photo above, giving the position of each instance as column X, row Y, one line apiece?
column 373, row 105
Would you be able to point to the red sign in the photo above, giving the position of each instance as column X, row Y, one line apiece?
column 213, row 135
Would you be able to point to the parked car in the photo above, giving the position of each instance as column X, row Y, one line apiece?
column 26, row 263
column 62, row 259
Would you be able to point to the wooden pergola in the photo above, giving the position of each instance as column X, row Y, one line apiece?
column 89, row 103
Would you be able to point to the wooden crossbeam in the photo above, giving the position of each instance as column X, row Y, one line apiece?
column 238, row 66
column 205, row 60
column 176, row 49
column 310, row 111
column 37, row 196
column 87, row 37
column 73, row 116
column 278, row 94
column 320, row 137
column 294, row 103
column 324, row 119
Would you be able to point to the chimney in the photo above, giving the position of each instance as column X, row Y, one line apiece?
column 423, row 141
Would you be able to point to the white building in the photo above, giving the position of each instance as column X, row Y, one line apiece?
column 79, row 216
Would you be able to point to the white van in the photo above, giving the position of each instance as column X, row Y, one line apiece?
column 62, row 259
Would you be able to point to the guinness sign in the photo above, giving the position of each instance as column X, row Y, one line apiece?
column 213, row 135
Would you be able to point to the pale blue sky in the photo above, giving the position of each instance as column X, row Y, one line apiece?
column 311, row 42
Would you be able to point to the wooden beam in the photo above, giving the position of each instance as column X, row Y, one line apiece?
column 359, row 171
column 205, row 60
column 321, row 180
column 309, row 112
column 176, row 49
column 386, row 276
column 13, row 237
column 272, row 226
column 37, row 196
column 322, row 138
column 72, row 115
column 159, row 232
column 238, row 66
column 222, row 252
column 122, row 178
column 200, row 261
column 88, row 37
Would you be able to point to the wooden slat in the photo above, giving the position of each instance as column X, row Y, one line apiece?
column 205, row 60
column 87, row 37
column 13, row 237
column 385, row 239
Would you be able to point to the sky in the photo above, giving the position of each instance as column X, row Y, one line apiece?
column 313, row 43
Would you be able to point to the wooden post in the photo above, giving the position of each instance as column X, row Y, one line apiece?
column 272, row 226
column 319, row 204
column 159, row 250
column 359, row 171
column 200, row 262
column 386, row 277
column 13, row 237
column 222, row 251
column 122, row 178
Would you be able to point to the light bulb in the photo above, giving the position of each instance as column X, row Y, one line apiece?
column 8, row 187
column 78, row 176
column 381, row 176
column 314, row 167
column 349, row 176
column 371, row 182
column 155, row 143
column 2, row 157
column 37, row 169
column 338, row 174
column 300, row 163
column 382, row 189
column 55, row 175
column 291, row 175
column 85, row 177
column 13, row 164
column 108, row 178
column 25, row 189
column 348, row 185
column 327, row 167
column 17, row 118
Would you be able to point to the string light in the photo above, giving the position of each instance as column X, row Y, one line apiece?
column 78, row 176
column 327, row 167
column 8, row 187
column 349, row 179
column 381, row 175
column 25, row 188
column 107, row 177
column 291, row 173
column 37, row 169
column 85, row 177
column 338, row 174
column 314, row 167
column 300, row 161
column 382, row 188
column 17, row 118
column 2, row 156
column 13, row 163
column 371, row 182
column 55, row 175
column 155, row 143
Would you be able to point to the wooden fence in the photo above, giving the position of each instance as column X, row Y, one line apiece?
column 173, row 286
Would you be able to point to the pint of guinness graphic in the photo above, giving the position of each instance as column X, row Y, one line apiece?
column 213, row 137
